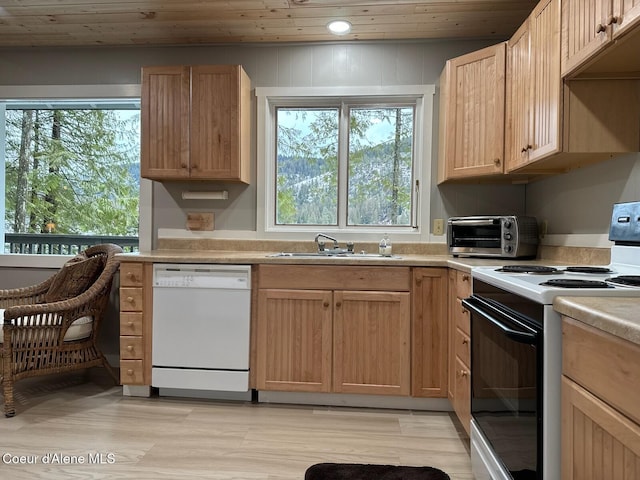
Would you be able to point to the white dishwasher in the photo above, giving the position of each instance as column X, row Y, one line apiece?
column 201, row 317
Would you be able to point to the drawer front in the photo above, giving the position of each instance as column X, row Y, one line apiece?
column 131, row 274
column 604, row 364
column 463, row 284
column 131, row 323
column 131, row 348
column 462, row 346
column 131, row 372
column 462, row 317
column 131, row 299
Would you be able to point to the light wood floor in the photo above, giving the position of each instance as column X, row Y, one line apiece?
column 81, row 415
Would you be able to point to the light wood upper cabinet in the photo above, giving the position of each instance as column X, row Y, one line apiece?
column 534, row 88
column 591, row 26
column 195, row 123
column 472, row 92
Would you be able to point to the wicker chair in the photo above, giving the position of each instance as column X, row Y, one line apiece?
column 53, row 327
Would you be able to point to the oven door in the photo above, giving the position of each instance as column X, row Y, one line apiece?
column 506, row 388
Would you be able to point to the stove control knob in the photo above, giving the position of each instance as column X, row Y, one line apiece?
column 508, row 248
column 508, row 236
column 507, row 224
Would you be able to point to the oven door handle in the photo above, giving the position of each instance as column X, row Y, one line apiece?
column 488, row 311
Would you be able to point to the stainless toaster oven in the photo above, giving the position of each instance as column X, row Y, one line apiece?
column 505, row 236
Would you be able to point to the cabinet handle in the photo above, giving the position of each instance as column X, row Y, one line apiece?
column 526, row 148
column 130, row 324
column 601, row 28
column 129, row 274
column 130, row 299
column 465, row 341
column 418, row 281
column 612, row 19
column 338, row 304
column 497, row 162
column 130, row 348
column 463, row 373
column 325, row 304
column 464, row 310
column 130, row 372
column 466, row 278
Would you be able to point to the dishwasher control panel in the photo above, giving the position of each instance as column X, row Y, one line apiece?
column 202, row 276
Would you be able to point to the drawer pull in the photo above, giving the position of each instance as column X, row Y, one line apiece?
column 130, row 299
column 130, row 324
column 130, row 348
column 129, row 274
column 130, row 372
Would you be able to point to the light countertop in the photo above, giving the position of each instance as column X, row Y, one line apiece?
column 618, row 316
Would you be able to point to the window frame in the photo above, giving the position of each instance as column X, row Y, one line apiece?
column 268, row 98
column 16, row 93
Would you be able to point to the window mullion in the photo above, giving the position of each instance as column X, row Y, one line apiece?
column 343, row 164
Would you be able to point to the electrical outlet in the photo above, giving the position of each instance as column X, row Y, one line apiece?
column 543, row 228
column 438, row 226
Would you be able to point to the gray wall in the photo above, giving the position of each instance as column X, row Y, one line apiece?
column 299, row 65
column 576, row 202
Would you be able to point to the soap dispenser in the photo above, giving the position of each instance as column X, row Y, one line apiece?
column 384, row 248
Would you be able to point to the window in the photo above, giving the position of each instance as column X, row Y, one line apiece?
column 71, row 174
column 343, row 159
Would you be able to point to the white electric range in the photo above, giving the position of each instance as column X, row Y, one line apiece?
column 516, row 350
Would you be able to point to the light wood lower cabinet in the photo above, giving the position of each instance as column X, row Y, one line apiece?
column 600, row 408
column 334, row 329
column 295, row 340
column 135, row 323
column 372, row 351
column 429, row 333
column 460, row 347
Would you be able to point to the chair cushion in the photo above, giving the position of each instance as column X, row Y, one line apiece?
column 76, row 276
column 78, row 330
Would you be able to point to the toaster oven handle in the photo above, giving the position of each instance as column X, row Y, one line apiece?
column 524, row 334
column 474, row 221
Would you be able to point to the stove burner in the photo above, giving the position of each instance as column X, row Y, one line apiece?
column 527, row 269
column 588, row 269
column 627, row 280
column 575, row 283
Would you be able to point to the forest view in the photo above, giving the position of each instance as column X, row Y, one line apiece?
column 379, row 166
column 72, row 171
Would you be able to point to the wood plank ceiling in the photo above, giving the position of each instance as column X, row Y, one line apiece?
column 180, row 22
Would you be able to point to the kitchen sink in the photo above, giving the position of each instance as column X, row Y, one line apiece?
column 330, row 255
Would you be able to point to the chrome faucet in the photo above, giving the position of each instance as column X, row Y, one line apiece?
column 336, row 247
column 321, row 244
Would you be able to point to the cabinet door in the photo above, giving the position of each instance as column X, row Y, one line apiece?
column 429, row 333
column 475, row 114
column 597, row 441
column 371, row 342
column 546, row 88
column 462, row 395
column 518, row 98
column 294, row 340
column 164, row 111
column 219, row 121
column 584, row 31
column 625, row 16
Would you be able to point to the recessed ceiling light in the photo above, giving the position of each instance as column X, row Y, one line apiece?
column 339, row 27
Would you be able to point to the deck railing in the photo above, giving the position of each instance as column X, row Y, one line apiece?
column 60, row 244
